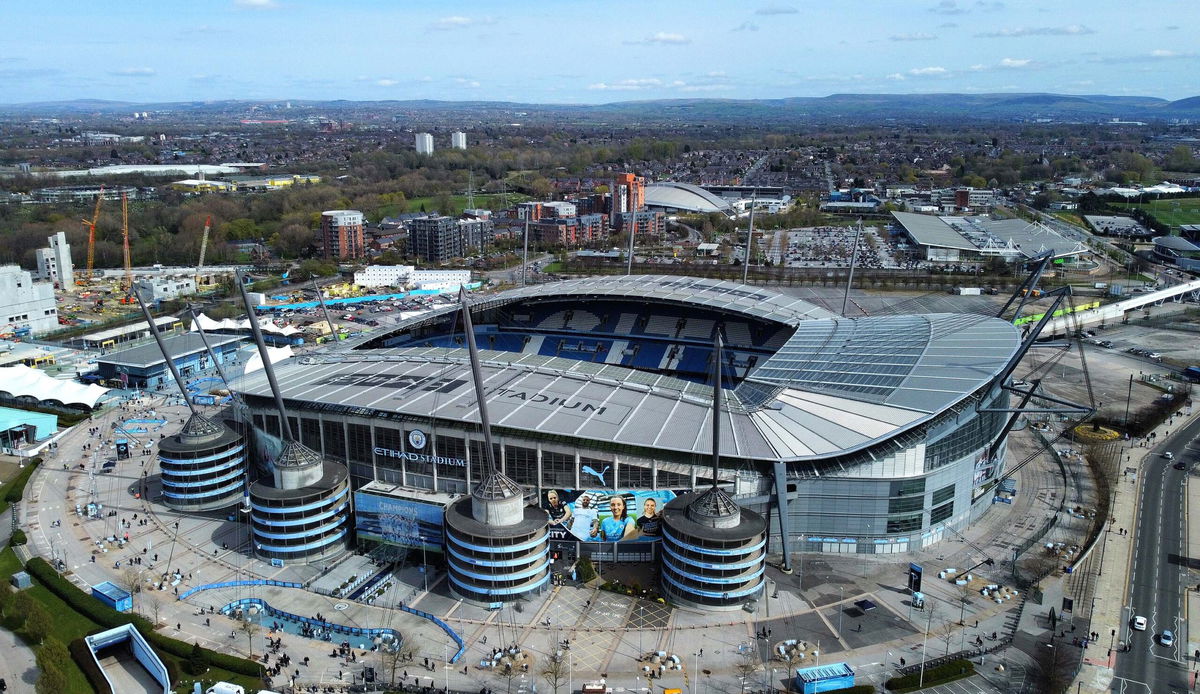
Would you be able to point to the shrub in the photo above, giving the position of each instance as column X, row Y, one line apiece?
column 83, row 658
column 18, row 538
column 857, row 689
column 953, row 670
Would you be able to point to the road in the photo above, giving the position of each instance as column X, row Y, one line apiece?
column 1158, row 576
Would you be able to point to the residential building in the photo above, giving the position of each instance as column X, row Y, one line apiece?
column 342, row 234
column 26, row 307
column 54, row 262
column 529, row 211
column 572, row 231
column 435, row 239
column 643, row 222
column 477, row 234
column 628, row 193
column 561, row 210
column 458, row 140
column 424, row 143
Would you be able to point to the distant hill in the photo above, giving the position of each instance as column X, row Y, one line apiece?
column 846, row 108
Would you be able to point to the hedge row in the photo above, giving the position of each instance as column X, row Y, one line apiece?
column 82, row 655
column 857, row 689
column 107, row 617
column 953, row 670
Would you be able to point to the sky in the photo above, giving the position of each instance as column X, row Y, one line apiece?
column 592, row 51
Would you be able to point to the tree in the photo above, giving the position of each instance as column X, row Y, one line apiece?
column 555, row 672
column 52, row 654
column 389, row 661
column 21, row 605
column 38, row 623
column 509, row 672
column 155, row 610
column 746, row 666
column 249, row 627
column 197, row 661
column 51, row 681
column 584, row 570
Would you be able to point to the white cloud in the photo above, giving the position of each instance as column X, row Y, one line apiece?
column 627, row 85
column 386, row 83
column 1068, row 30
column 932, row 71
column 948, row 7
column 896, row 77
column 776, row 9
column 466, row 82
column 662, row 38
column 912, row 37
column 459, row 22
column 134, row 72
column 746, row 26
column 1015, row 62
column 705, row 87
column 1155, row 55
column 257, row 4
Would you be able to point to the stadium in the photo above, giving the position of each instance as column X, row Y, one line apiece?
column 869, row 435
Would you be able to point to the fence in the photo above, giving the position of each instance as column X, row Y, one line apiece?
column 354, row 631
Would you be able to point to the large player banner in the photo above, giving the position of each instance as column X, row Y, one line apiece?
column 605, row 515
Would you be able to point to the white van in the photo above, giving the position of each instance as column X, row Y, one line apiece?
column 225, row 688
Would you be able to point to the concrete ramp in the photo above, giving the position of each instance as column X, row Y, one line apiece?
column 127, row 674
column 128, row 662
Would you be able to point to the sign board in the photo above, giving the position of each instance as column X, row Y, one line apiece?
column 914, row 578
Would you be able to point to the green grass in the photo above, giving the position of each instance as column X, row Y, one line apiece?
column 68, row 624
column 1173, row 212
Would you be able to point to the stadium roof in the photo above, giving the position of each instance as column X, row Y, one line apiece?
column 1009, row 237
column 1176, row 243
column 714, row 294
column 836, row 386
column 684, row 196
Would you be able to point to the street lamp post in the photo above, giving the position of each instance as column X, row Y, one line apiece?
column 841, row 609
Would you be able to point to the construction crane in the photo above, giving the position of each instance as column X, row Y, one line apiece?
column 203, row 247
column 128, row 285
column 91, row 227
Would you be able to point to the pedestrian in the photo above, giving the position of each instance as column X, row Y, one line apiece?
column 902, row 662
column 178, row 626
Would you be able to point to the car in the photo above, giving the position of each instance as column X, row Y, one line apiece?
column 1167, row 638
column 1139, row 623
column 1169, row 455
column 1179, row 465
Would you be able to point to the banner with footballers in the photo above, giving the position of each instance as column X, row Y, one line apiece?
column 604, row 515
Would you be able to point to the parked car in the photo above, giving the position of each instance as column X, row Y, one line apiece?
column 1167, row 638
column 1139, row 623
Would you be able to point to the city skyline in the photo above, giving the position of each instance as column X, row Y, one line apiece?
column 577, row 53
